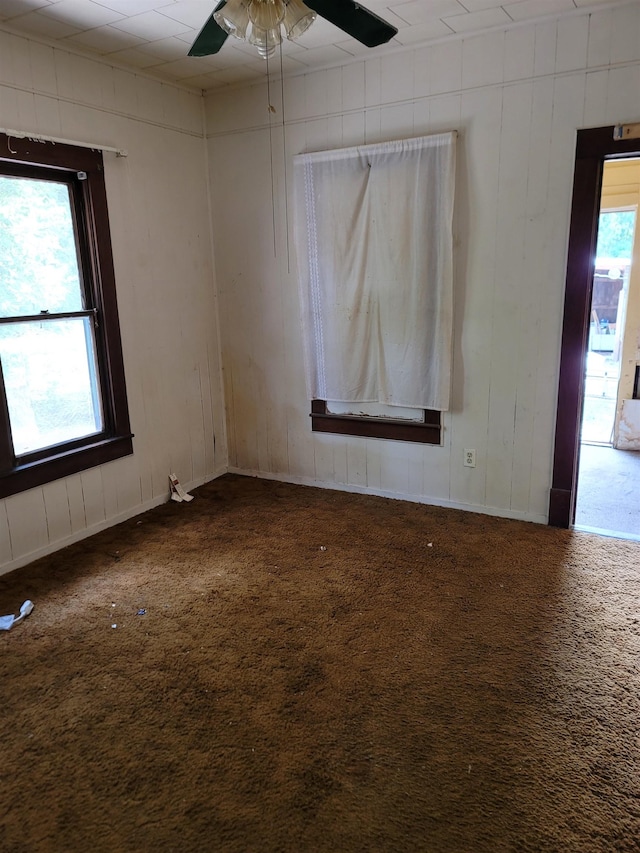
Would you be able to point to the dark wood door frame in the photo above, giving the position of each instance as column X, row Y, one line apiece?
column 593, row 147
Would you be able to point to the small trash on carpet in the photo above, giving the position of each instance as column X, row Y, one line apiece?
column 142, row 612
column 114, row 625
column 7, row 622
column 178, row 494
column 323, row 547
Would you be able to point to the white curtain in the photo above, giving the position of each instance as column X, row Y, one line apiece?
column 374, row 245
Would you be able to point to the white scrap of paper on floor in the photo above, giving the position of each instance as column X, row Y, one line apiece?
column 177, row 492
column 7, row 622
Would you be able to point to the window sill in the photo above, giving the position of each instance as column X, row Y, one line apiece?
column 427, row 432
column 63, row 464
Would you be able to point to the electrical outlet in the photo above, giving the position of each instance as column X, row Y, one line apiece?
column 469, row 458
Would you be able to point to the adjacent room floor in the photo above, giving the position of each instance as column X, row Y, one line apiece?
column 608, row 479
column 609, row 491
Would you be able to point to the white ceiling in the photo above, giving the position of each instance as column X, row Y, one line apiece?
column 155, row 35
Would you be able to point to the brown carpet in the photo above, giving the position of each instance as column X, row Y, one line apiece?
column 295, row 669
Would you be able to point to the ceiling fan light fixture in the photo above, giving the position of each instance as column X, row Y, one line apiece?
column 265, row 41
column 233, row 18
column 266, row 14
column 259, row 22
column 297, row 18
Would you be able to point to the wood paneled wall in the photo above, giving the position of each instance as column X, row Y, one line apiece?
column 160, row 226
column 517, row 98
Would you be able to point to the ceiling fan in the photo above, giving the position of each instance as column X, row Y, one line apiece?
column 260, row 22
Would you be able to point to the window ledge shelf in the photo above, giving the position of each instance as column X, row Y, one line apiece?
column 427, row 432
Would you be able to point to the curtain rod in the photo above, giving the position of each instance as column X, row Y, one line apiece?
column 39, row 137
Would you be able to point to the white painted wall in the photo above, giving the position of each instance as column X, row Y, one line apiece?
column 517, row 98
column 160, row 227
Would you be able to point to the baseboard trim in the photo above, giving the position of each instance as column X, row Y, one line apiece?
column 50, row 548
column 560, row 507
column 59, row 544
column 496, row 512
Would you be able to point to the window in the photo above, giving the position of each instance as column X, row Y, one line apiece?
column 63, row 401
column 423, row 426
column 374, row 234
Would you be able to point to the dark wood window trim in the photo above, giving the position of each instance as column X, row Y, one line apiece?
column 427, row 432
column 593, row 147
column 22, row 157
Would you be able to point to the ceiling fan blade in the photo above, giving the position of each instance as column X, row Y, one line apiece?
column 354, row 20
column 211, row 37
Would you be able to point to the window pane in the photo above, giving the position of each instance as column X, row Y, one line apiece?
column 38, row 256
column 51, row 381
column 375, row 410
column 615, row 234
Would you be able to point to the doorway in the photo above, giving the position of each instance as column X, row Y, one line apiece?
column 608, row 317
column 586, row 323
column 608, row 474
